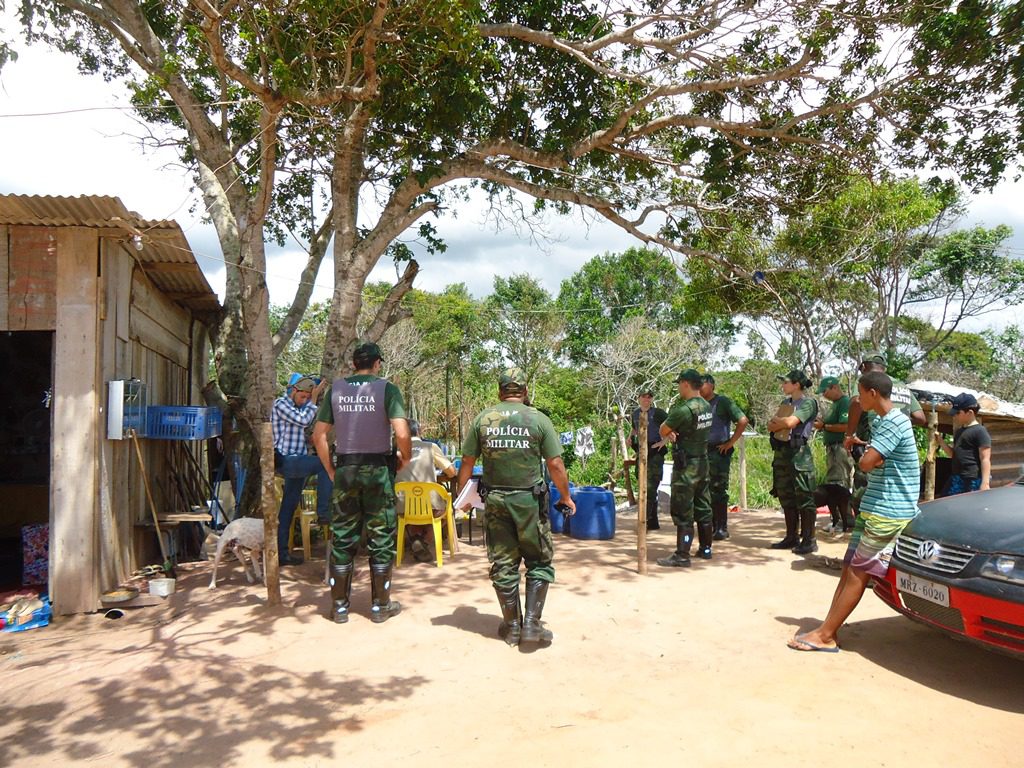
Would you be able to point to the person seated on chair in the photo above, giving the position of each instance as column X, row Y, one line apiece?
column 294, row 459
column 427, row 462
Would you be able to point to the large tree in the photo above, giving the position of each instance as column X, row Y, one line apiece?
column 651, row 115
column 875, row 267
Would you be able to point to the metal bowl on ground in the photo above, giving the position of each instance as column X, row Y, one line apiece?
column 119, row 595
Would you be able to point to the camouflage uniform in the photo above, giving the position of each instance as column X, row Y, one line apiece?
column 690, row 419
column 691, row 499
column 513, row 439
column 903, row 399
column 794, row 477
column 364, row 493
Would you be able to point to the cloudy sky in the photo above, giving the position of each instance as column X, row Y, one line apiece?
column 69, row 134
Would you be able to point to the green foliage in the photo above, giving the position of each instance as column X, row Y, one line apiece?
column 1007, row 347
column 565, row 394
column 523, row 323
column 956, row 349
column 608, row 289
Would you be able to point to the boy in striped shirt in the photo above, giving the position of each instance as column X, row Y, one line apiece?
column 889, row 503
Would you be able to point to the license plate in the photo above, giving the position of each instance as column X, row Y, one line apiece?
column 923, row 588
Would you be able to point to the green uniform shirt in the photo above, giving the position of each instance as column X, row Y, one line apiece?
column 512, row 439
column 902, row 398
column 394, row 405
column 691, row 421
column 839, row 414
column 724, row 413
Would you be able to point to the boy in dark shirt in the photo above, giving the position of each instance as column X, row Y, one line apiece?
column 971, row 449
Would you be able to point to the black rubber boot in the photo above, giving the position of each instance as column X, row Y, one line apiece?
column 807, row 543
column 704, row 536
column 653, row 523
column 791, row 539
column 511, row 614
column 720, row 516
column 681, row 557
column 844, row 509
column 533, row 631
column 382, row 607
column 341, row 588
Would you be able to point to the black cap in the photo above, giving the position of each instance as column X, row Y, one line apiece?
column 709, row 379
column 691, row 376
column 965, row 401
column 796, row 376
column 366, row 354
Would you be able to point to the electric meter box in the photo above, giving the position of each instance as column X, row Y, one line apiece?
column 126, row 408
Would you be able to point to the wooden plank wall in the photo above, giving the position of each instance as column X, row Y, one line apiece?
column 1007, row 447
column 31, row 279
column 5, row 233
column 1007, row 434
column 74, row 567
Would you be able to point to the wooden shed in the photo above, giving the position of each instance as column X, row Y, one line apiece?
column 1004, row 422
column 89, row 293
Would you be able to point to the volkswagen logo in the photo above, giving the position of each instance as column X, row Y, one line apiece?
column 928, row 551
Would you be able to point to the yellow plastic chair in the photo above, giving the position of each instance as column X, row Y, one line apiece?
column 418, row 511
column 304, row 516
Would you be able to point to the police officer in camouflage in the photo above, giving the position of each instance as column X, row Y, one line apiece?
column 721, row 442
column 858, row 427
column 794, row 477
column 687, row 428
column 513, row 439
column 363, row 410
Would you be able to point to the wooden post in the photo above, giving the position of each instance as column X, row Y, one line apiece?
column 620, row 433
column 641, row 509
column 743, row 471
column 929, row 462
column 613, row 472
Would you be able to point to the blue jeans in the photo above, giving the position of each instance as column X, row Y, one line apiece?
column 295, row 470
column 958, row 485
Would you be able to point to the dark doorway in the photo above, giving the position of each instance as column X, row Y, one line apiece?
column 26, row 390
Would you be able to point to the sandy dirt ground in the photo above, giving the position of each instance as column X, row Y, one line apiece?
column 683, row 666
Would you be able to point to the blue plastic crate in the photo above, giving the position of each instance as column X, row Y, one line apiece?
column 182, row 422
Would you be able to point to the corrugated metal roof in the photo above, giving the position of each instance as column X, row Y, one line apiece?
column 165, row 257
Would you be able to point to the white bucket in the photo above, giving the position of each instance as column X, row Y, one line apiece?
column 161, row 587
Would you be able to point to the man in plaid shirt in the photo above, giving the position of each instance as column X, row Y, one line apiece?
column 292, row 413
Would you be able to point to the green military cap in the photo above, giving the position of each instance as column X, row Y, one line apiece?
column 304, row 384
column 874, row 356
column 796, row 376
column 827, row 382
column 691, row 376
column 512, row 380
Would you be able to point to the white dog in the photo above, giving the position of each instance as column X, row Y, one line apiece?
column 242, row 534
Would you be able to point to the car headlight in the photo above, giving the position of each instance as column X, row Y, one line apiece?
column 1004, row 568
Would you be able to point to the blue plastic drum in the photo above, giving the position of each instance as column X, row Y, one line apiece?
column 595, row 513
column 559, row 523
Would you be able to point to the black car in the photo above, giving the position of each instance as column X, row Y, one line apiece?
column 959, row 567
